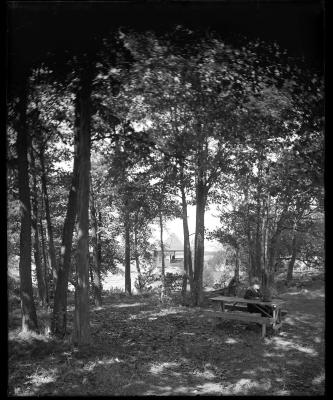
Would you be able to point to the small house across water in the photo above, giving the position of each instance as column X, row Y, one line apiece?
column 173, row 250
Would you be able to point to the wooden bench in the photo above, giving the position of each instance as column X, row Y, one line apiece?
column 231, row 307
column 241, row 316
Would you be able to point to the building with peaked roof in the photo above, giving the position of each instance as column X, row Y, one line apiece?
column 173, row 243
column 173, row 249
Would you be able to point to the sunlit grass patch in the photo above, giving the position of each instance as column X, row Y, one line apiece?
column 125, row 305
column 286, row 345
column 231, row 341
column 158, row 368
column 319, row 379
column 244, row 386
column 170, row 351
column 206, row 374
column 43, row 376
column 29, row 336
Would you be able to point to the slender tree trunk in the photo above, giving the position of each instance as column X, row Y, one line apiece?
column 81, row 323
column 188, row 269
column 96, row 269
column 293, row 255
column 91, row 274
column 274, row 250
column 258, row 259
column 99, row 246
column 45, row 258
column 136, row 252
column 199, row 240
column 259, row 214
column 59, row 318
column 273, row 254
column 34, row 221
column 29, row 316
column 264, row 238
column 128, row 286
column 162, row 255
column 52, row 253
column 250, row 245
column 236, row 274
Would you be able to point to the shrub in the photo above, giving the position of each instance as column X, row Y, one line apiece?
column 148, row 277
column 173, row 281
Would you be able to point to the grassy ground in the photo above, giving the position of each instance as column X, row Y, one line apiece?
column 139, row 347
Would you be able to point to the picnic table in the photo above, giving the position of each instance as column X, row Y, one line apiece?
column 235, row 308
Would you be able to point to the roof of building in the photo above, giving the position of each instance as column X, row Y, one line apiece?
column 173, row 243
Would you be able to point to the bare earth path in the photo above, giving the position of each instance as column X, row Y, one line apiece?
column 140, row 348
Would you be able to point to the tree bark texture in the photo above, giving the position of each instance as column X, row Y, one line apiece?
column 264, row 238
column 293, row 255
column 45, row 258
column 59, row 318
column 188, row 269
column 199, row 240
column 250, row 241
column 258, row 245
column 162, row 255
column 128, row 286
column 29, row 316
column 51, row 248
column 136, row 252
column 237, row 257
column 99, row 246
column 35, row 217
column 82, row 328
column 96, row 268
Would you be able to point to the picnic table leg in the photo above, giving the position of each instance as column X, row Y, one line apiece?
column 222, row 306
column 274, row 317
column 278, row 321
column 263, row 331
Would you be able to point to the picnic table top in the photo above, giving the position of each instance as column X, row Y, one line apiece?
column 229, row 299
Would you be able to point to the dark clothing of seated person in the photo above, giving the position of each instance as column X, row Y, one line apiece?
column 254, row 293
column 232, row 287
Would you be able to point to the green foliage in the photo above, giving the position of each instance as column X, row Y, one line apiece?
column 149, row 276
column 246, row 116
column 173, row 282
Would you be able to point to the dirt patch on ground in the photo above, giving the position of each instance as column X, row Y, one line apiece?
column 141, row 348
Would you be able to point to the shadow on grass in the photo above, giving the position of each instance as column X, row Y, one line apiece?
column 139, row 347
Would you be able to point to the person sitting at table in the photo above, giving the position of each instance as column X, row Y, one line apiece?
column 254, row 293
column 232, row 287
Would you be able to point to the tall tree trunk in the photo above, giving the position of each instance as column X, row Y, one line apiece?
column 259, row 214
column 96, row 268
column 59, row 318
column 293, row 254
column 264, row 239
column 128, row 286
column 29, row 316
column 250, row 244
column 91, row 274
column 258, row 247
column 45, row 258
column 52, row 253
column 274, row 250
column 136, row 252
column 236, row 274
column 273, row 254
column 199, row 240
column 81, row 323
column 188, row 269
column 99, row 245
column 39, row 271
column 162, row 255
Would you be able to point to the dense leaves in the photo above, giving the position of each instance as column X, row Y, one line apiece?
column 176, row 119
